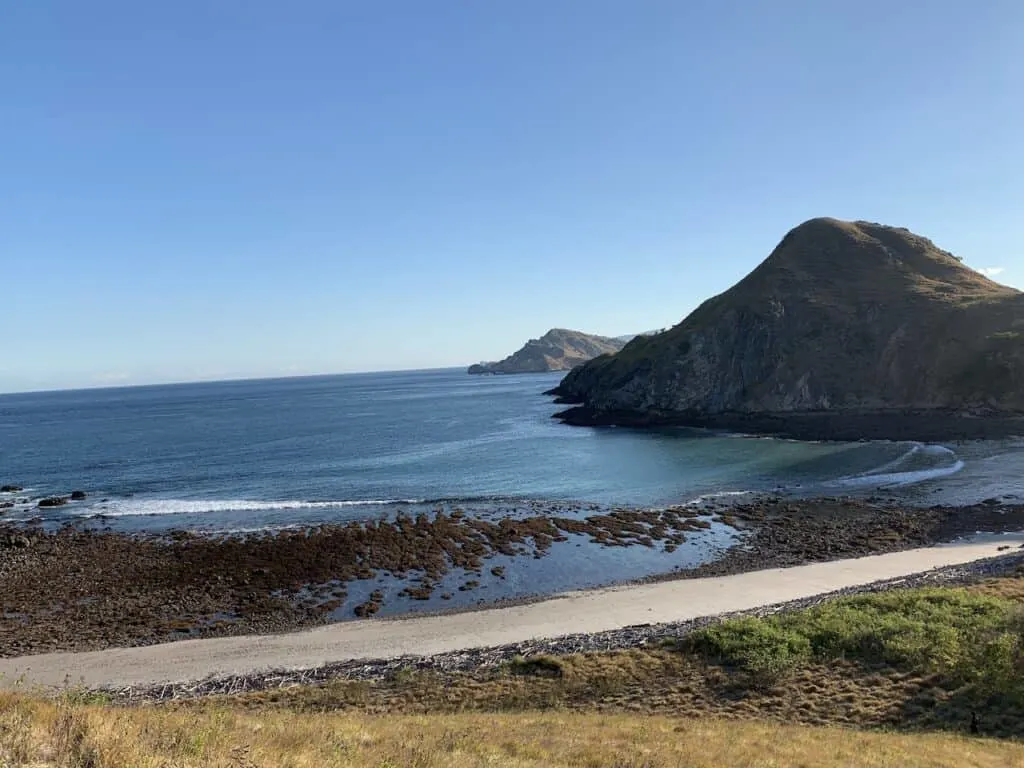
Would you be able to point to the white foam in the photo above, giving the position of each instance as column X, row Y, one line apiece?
column 153, row 507
column 881, row 477
column 696, row 502
column 901, row 459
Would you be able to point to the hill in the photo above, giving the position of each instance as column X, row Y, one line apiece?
column 847, row 330
column 557, row 350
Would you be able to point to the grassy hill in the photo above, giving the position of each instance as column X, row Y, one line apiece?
column 843, row 318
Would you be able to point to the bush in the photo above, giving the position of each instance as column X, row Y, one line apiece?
column 537, row 666
column 970, row 637
column 759, row 646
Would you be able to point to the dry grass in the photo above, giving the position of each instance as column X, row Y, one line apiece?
column 644, row 708
column 68, row 735
column 666, row 683
column 1010, row 588
column 861, row 684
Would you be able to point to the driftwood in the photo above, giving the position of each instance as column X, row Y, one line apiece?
column 479, row 658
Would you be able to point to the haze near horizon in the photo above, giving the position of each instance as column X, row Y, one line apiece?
column 202, row 191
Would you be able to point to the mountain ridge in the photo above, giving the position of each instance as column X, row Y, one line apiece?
column 560, row 349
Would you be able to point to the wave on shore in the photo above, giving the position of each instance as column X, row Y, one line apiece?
column 919, row 464
column 156, row 507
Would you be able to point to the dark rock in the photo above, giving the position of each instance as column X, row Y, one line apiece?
column 53, row 501
column 367, row 609
column 78, row 495
column 11, row 489
column 6, row 504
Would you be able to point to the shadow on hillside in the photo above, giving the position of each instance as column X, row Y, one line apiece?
column 932, row 709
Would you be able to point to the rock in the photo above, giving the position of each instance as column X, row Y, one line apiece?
column 11, row 489
column 557, row 350
column 6, row 504
column 367, row 609
column 834, row 336
column 53, row 501
column 78, row 495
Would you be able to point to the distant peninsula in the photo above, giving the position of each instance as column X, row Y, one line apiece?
column 557, row 350
column 848, row 330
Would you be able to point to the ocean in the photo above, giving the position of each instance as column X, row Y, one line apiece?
column 259, row 454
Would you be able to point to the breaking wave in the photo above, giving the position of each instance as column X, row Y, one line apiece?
column 154, row 507
column 939, row 461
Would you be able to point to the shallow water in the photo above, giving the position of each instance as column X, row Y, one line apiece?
column 251, row 454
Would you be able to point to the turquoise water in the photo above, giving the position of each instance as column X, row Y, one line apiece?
column 250, row 454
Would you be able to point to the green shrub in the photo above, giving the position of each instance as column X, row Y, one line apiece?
column 967, row 636
column 759, row 646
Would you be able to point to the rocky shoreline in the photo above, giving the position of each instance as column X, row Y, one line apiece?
column 77, row 590
column 482, row 658
column 902, row 424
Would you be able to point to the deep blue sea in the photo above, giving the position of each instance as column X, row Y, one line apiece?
column 246, row 455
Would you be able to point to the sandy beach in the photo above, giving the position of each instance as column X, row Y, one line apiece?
column 577, row 612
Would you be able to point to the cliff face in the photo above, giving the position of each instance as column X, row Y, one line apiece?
column 848, row 319
column 557, row 350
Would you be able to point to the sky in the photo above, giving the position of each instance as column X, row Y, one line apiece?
column 240, row 188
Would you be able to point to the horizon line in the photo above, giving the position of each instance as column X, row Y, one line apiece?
column 229, row 379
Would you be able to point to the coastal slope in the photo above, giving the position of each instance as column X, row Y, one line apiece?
column 585, row 612
column 847, row 330
column 557, row 350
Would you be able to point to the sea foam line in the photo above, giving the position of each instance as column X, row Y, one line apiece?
column 154, row 507
column 881, row 478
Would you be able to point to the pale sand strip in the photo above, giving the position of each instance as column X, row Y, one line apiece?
column 575, row 612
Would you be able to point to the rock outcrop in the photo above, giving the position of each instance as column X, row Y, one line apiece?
column 847, row 330
column 557, row 350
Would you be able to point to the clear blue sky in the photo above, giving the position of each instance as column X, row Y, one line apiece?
column 207, row 189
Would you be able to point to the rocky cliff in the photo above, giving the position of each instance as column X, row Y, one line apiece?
column 557, row 350
column 847, row 330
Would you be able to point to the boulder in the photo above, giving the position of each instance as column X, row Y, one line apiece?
column 53, row 501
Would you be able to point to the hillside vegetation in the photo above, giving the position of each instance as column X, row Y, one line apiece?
column 75, row 735
column 557, row 350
